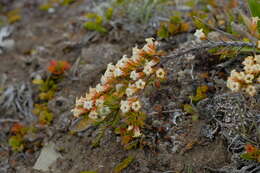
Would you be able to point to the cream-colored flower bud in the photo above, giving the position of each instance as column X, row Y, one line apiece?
column 250, row 89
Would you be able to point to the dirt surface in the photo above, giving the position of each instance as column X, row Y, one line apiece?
column 177, row 143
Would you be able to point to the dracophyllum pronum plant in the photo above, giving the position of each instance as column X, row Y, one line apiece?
column 116, row 98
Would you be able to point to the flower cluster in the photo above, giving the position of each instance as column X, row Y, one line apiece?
column 248, row 79
column 119, row 87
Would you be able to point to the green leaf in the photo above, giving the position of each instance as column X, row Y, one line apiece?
column 163, row 31
column 247, row 156
column 67, row 2
column 16, row 142
column 95, row 27
column 254, row 6
column 124, row 164
column 109, row 13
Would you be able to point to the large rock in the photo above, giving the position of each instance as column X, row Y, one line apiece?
column 47, row 157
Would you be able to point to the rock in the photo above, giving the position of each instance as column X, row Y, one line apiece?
column 47, row 157
column 101, row 54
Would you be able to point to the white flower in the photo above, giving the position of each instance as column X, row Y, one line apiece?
column 125, row 107
column 100, row 88
column 137, row 132
column 103, row 80
column 258, row 80
column 147, row 48
column 88, row 104
column 136, row 106
column 160, row 73
column 77, row 112
column 80, row 101
column 152, row 62
column 148, row 70
column 93, row 115
column 136, row 54
column 250, row 89
column 249, row 69
column 118, row 72
column 234, row 86
column 140, row 84
column 199, row 34
column 257, row 57
column 134, row 75
column 119, row 86
column 110, row 67
column 255, row 20
column 104, row 111
column 136, row 51
column 248, row 61
column 122, row 62
column 130, row 128
column 149, row 40
column 129, row 92
column 248, row 78
column 108, row 74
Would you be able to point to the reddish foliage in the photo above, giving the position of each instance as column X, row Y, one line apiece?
column 58, row 67
column 16, row 128
column 250, row 148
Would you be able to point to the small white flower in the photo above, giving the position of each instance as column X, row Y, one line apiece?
column 93, row 115
column 110, row 67
column 134, row 75
column 137, row 132
column 130, row 128
column 148, row 70
column 258, row 80
column 199, row 34
column 88, row 104
column 129, row 92
column 147, row 48
column 152, row 63
column 149, row 40
column 100, row 88
column 248, row 78
column 109, row 74
column 79, row 102
column 122, row 62
column 136, row 55
column 249, row 69
column 125, row 107
column 257, row 57
column 234, row 86
column 248, row 61
column 255, row 20
column 136, row 106
column 77, row 112
column 104, row 111
column 118, row 72
column 136, row 51
column 140, row 84
column 250, row 89
column 119, row 86
column 160, row 73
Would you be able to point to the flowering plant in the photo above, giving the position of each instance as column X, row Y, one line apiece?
column 248, row 79
column 116, row 98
